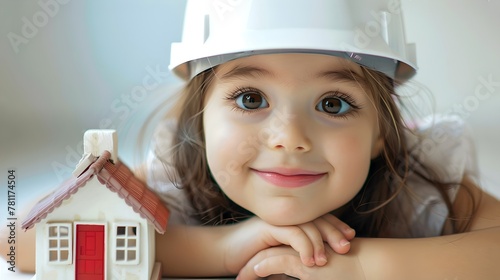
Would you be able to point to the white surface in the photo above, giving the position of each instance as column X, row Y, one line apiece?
column 7, row 275
column 99, row 54
column 4, row 274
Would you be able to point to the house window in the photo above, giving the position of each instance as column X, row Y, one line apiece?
column 59, row 239
column 126, row 242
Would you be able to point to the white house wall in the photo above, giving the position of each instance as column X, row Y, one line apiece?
column 150, row 248
column 95, row 203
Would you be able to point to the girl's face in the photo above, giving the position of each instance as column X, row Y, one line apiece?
column 290, row 136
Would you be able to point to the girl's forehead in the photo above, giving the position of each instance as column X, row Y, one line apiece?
column 293, row 64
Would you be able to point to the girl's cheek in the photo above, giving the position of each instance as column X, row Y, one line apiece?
column 226, row 157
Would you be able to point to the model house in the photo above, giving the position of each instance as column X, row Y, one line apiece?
column 101, row 223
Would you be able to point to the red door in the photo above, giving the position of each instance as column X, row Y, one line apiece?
column 89, row 260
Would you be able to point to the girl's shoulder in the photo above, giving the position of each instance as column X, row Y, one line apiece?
column 443, row 145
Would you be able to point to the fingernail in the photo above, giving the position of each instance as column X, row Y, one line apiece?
column 344, row 242
column 321, row 260
column 350, row 230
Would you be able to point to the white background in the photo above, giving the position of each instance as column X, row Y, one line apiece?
column 81, row 66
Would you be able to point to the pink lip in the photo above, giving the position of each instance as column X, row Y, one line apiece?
column 289, row 178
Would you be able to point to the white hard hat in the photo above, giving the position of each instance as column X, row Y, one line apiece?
column 368, row 32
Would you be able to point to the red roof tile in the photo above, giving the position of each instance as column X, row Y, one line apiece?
column 118, row 178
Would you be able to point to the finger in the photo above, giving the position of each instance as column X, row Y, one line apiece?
column 248, row 273
column 281, row 264
column 333, row 236
column 346, row 230
column 297, row 239
column 315, row 236
column 280, row 277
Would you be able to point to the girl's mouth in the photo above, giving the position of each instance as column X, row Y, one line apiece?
column 289, row 178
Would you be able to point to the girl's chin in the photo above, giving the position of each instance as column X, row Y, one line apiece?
column 279, row 220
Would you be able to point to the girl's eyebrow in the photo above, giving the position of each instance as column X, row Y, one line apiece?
column 346, row 75
column 239, row 72
column 248, row 71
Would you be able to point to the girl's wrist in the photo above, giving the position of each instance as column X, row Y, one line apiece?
column 240, row 244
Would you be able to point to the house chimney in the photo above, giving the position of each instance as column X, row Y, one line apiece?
column 95, row 142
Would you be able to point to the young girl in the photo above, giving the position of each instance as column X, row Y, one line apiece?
column 288, row 140
column 289, row 132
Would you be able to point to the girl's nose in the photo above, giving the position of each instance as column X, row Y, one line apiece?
column 290, row 137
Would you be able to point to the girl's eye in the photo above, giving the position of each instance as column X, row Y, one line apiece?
column 251, row 101
column 333, row 106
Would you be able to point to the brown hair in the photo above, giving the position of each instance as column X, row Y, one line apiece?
column 375, row 210
column 372, row 212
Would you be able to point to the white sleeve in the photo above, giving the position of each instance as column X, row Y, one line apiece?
column 447, row 149
column 158, row 179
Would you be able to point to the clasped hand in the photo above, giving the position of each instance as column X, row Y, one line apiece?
column 256, row 248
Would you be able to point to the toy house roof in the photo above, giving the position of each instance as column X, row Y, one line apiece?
column 118, row 178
